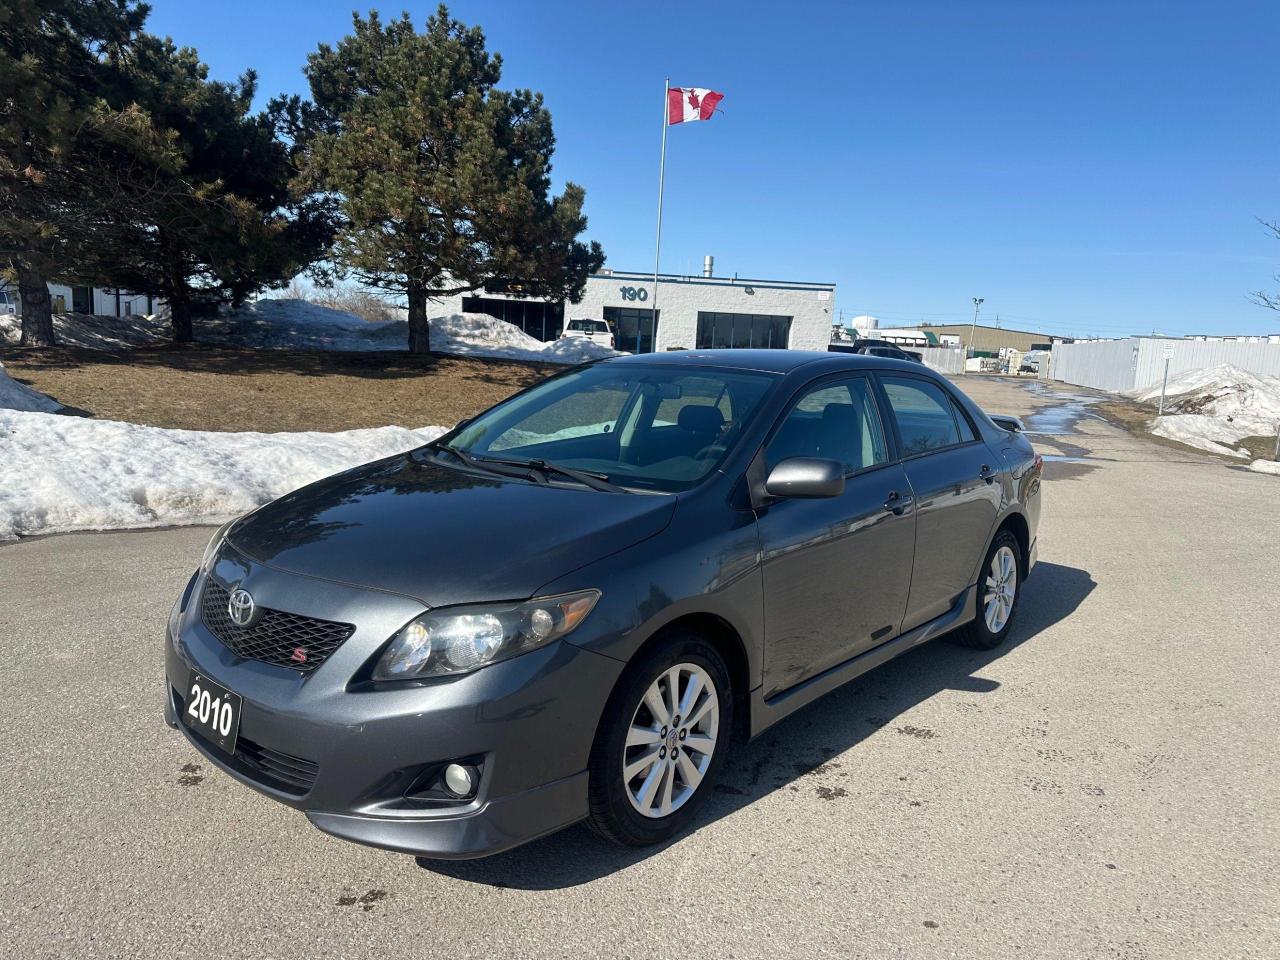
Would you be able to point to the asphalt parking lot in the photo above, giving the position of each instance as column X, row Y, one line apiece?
column 1104, row 786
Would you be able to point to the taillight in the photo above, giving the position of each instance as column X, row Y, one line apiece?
column 1037, row 463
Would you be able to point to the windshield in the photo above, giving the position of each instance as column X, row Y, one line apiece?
column 588, row 326
column 647, row 428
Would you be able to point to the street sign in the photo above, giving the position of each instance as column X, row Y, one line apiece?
column 1168, row 353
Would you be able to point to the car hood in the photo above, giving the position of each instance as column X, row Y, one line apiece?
column 444, row 536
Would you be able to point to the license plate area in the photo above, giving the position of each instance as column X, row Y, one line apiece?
column 212, row 711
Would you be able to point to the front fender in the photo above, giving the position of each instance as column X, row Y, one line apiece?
column 707, row 562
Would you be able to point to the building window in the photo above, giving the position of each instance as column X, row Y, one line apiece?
column 537, row 318
column 759, row 330
column 633, row 330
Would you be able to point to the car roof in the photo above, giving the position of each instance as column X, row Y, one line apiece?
column 768, row 361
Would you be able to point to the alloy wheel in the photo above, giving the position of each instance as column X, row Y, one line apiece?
column 1001, row 589
column 671, row 740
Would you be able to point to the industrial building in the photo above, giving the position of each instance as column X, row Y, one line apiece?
column 694, row 312
column 987, row 339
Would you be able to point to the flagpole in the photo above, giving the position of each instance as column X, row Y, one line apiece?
column 662, row 179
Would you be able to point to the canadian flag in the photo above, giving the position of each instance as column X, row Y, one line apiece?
column 691, row 103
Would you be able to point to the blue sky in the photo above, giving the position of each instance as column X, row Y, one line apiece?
column 1086, row 168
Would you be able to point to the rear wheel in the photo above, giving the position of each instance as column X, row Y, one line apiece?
column 661, row 742
column 999, row 588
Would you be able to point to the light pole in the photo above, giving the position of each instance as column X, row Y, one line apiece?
column 977, row 302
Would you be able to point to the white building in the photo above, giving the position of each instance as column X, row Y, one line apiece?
column 66, row 298
column 693, row 312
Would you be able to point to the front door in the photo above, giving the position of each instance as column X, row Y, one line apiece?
column 837, row 572
column 634, row 330
column 955, row 477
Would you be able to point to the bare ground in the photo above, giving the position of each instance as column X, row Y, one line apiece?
column 205, row 387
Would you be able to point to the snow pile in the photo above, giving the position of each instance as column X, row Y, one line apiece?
column 1213, row 408
column 16, row 396
column 94, row 332
column 291, row 324
column 287, row 324
column 1266, row 466
column 480, row 335
column 61, row 473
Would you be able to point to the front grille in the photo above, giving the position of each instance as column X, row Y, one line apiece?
column 284, row 639
column 281, row 771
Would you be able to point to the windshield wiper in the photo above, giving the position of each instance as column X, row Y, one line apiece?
column 486, row 464
column 534, row 468
column 588, row 478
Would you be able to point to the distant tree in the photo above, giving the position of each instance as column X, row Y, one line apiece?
column 443, row 180
column 1269, row 300
column 204, row 208
column 57, row 94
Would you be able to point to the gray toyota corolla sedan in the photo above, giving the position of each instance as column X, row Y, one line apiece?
column 568, row 607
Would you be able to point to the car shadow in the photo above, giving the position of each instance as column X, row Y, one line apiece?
column 796, row 747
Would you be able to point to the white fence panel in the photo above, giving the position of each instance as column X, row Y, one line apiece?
column 942, row 359
column 1103, row 364
column 1259, row 358
column 1138, row 362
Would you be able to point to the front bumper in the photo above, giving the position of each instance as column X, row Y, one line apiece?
column 529, row 723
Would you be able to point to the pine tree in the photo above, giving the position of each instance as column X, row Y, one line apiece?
column 56, row 59
column 443, row 179
column 204, row 209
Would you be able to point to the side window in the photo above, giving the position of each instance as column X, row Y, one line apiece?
column 835, row 421
column 923, row 413
column 962, row 422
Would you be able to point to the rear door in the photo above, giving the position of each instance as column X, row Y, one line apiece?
column 954, row 476
column 837, row 571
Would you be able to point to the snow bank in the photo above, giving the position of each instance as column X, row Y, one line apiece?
column 94, row 332
column 60, row 473
column 1266, row 466
column 1213, row 408
column 16, row 396
column 287, row 324
column 290, row 324
column 1203, row 433
column 480, row 335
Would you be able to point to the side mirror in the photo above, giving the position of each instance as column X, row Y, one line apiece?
column 1006, row 422
column 806, row 477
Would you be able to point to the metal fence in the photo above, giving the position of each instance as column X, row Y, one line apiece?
column 1138, row 362
column 942, row 359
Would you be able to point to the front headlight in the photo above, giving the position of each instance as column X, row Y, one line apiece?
column 461, row 639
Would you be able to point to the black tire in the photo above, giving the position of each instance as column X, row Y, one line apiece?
column 613, row 815
column 976, row 633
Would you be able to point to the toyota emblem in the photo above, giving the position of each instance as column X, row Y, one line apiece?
column 240, row 607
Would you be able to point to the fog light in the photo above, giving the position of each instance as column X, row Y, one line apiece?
column 459, row 779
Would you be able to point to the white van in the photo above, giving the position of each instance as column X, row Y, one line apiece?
column 597, row 331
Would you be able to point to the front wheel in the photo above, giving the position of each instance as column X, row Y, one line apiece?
column 999, row 588
column 661, row 742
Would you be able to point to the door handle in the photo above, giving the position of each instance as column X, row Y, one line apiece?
column 987, row 474
column 898, row 504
